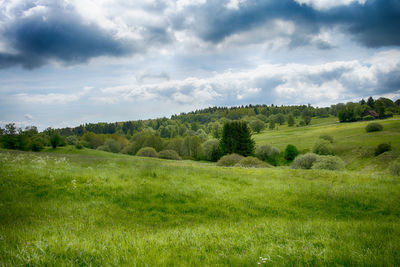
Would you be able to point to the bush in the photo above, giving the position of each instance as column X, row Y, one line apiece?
column 328, row 163
column 374, row 127
column 110, row 145
column 304, row 161
column 252, row 162
column 267, row 153
column 113, row 145
column 37, row 144
column 323, row 147
column 262, row 152
column 210, row 148
column 71, row 140
column 79, row 145
column 381, row 148
column 394, row 167
column 129, row 149
column 326, row 137
column 147, row 152
column 368, row 118
column 230, row 160
column 291, row 152
column 169, row 154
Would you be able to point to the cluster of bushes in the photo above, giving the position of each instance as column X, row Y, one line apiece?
column 314, row 161
column 240, row 161
column 268, row 153
column 163, row 154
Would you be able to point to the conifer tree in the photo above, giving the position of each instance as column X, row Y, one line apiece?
column 236, row 138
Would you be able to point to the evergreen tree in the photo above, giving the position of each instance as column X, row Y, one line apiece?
column 236, row 138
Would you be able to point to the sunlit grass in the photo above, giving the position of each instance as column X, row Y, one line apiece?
column 351, row 142
column 95, row 208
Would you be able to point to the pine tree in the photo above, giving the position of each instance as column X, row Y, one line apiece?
column 236, row 138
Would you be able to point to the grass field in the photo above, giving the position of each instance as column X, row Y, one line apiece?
column 92, row 208
column 351, row 142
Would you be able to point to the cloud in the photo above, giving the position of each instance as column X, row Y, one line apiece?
column 28, row 116
column 373, row 23
column 52, row 98
column 328, row 4
column 148, row 77
column 272, row 83
column 33, row 34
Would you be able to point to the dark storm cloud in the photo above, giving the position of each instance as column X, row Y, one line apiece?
column 62, row 38
column 389, row 82
column 374, row 24
column 59, row 36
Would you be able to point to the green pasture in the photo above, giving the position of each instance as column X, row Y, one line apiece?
column 71, row 207
column 351, row 142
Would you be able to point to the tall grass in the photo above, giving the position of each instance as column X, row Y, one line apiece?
column 104, row 209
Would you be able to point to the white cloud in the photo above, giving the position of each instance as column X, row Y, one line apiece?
column 235, row 4
column 52, row 98
column 284, row 83
column 28, row 116
column 327, row 4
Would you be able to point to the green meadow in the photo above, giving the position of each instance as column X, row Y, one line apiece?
column 70, row 207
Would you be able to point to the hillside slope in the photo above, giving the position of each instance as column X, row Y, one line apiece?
column 351, row 142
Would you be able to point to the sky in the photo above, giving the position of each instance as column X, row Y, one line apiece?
column 68, row 62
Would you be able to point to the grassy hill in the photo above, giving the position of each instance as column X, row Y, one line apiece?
column 90, row 208
column 351, row 142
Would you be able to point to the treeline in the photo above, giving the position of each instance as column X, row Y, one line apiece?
column 209, row 120
column 366, row 110
column 192, row 135
column 29, row 138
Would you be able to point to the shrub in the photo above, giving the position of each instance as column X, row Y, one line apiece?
column 147, row 152
column 381, row 148
column 374, row 127
column 267, row 153
column 210, row 148
column 230, row 160
column 113, row 145
column 328, row 163
column 37, row 144
column 291, row 152
column 394, row 167
column 169, row 154
column 368, row 118
column 79, row 145
column 71, row 140
column 110, row 145
column 323, row 147
column 252, row 162
column 263, row 151
column 129, row 149
column 304, row 161
column 326, row 137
